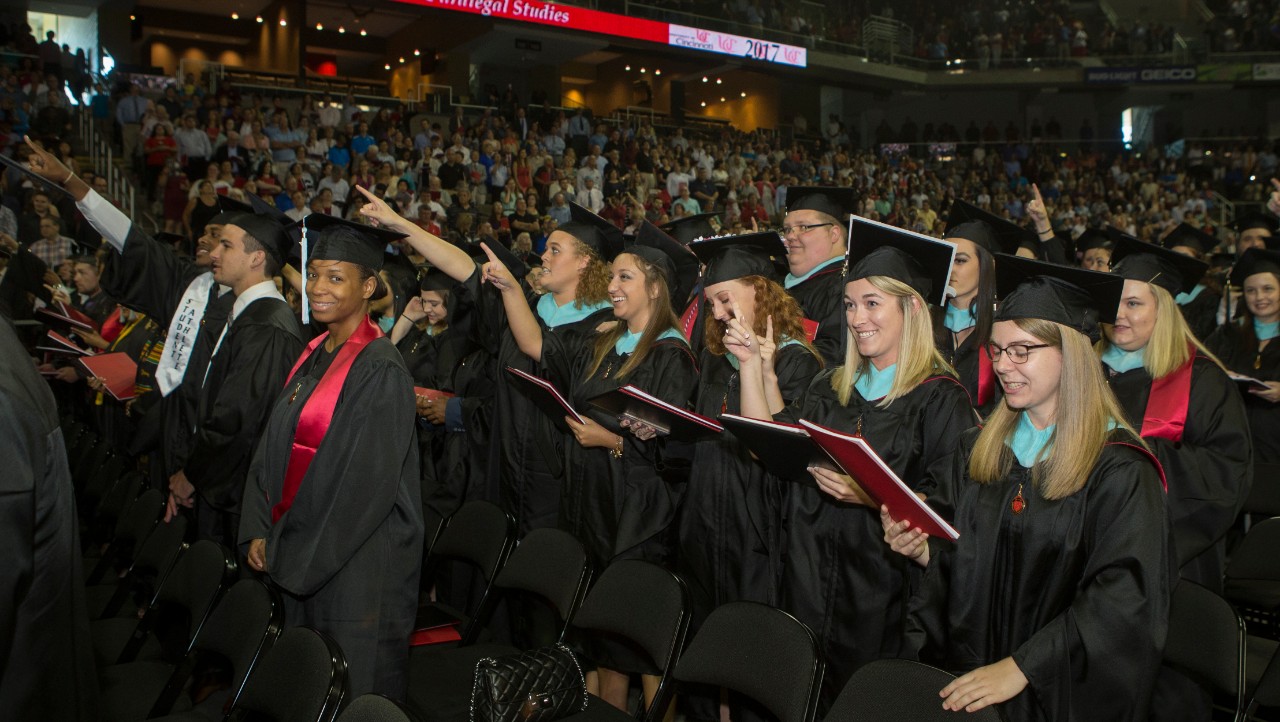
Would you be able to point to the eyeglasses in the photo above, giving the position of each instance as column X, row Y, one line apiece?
column 788, row 230
column 1017, row 352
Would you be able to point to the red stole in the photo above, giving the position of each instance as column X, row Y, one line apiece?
column 1167, row 403
column 986, row 378
column 317, row 413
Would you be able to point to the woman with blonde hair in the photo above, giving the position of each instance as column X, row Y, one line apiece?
column 1176, row 394
column 1063, row 557
column 895, row 390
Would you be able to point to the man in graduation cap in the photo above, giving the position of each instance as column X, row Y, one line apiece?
column 1256, row 230
column 815, row 236
column 229, row 352
column 1200, row 304
column 333, row 511
column 1095, row 248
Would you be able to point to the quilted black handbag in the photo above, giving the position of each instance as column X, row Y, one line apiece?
column 540, row 685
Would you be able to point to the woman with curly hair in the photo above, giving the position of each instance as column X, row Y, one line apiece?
column 730, row 527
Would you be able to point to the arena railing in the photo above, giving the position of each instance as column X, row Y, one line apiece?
column 102, row 157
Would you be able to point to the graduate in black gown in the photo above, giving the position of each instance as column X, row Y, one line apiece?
column 730, row 528
column 614, row 497
column 687, row 229
column 1199, row 306
column 46, row 653
column 1095, row 250
column 1053, row 603
column 1181, row 402
column 815, row 235
column 896, row 391
column 332, row 512
column 1252, row 230
column 527, row 469
column 962, row 324
column 1245, row 347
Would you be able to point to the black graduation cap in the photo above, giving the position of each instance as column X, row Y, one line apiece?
column 599, row 234
column 835, row 202
column 1185, row 234
column 26, row 271
column 991, row 232
column 268, row 231
column 688, row 228
column 1094, row 238
column 921, row 262
column 436, row 280
column 1256, row 220
column 1255, row 260
column 1073, row 297
column 731, row 257
column 228, row 206
column 677, row 262
column 330, row 238
column 1139, row 261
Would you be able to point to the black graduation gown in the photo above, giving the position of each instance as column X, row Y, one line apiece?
column 1076, row 590
column 113, row 424
column 1209, row 472
column 149, row 277
column 46, row 654
column 821, row 297
column 347, row 554
column 619, row 508
column 730, row 529
column 965, row 360
column 528, row 468
column 244, row 377
column 1236, row 346
column 1201, row 314
column 838, row 575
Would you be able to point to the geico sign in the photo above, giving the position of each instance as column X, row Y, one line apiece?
column 1167, row 75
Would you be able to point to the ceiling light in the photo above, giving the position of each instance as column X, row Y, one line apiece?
column 704, row 103
column 319, row 26
column 744, row 93
column 722, row 100
column 628, row 68
column 387, row 66
column 417, row 53
column 259, row 18
column 341, row 29
column 363, row 32
column 704, row 79
column 402, row 61
column 642, row 70
column 657, row 71
column 133, row 17
column 234, row 16
column 284, row 23
column 719, row 81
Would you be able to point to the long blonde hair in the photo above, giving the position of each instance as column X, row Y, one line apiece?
column 1168, row 348
column 918, row 356
column 1084, row 417
column 661, row 319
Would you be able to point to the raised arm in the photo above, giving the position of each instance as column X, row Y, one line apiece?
column 520, row 319
column 451, row 260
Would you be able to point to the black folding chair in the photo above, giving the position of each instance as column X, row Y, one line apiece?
column 1252, row 578
column 243, row 625
column 102, row 522
column 479, row 534
column 154, row 559
column 301, row 678
column 899, row 689
column 548, row 563
column 173, row 618
column 1264, row 495
column 136, row 522
column 648, row 608
column 761, row 652
column 376, row 708
column 1206, row 642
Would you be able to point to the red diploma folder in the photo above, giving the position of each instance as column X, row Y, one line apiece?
column 65, row 318
column 810, row 329
column 856, row 457
column 435, row 626
column 116, row 370
column 431, row 394
column 55, row 342
column 638, row 405
column 545, row 396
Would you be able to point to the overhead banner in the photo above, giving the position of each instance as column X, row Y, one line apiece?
column 1140, row 76
column 602, row 23
column 1224, row 73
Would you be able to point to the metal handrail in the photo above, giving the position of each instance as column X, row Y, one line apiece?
column 102, row 156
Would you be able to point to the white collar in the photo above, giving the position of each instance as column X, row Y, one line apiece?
column 266, row 289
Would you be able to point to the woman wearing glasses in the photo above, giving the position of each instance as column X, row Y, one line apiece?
column 895, row 390
column 1176, row 394
column 1063, row 558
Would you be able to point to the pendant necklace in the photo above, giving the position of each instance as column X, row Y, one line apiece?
column 1018, row 503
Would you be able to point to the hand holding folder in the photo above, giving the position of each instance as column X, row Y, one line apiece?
column 546, row 397
column 116, row 370
column 630, row 402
